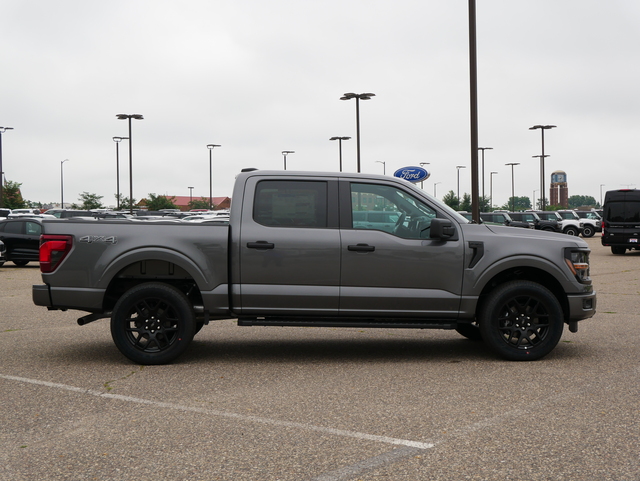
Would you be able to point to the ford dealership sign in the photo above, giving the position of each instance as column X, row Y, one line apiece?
column 412, row 174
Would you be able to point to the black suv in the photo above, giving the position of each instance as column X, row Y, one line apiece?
column 21, row 236
column 535, row 221
column 621, row 220
column 502, row 218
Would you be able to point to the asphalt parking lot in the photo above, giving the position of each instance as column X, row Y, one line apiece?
column 267, row 403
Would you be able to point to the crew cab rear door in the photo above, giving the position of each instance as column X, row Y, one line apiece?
column 289, row 248
column 398, row 271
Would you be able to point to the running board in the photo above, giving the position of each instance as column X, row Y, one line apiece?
column 349, row 322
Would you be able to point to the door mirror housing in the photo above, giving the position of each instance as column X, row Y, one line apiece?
column 442, row 229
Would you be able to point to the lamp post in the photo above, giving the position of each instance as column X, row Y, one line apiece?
column 340, row 139
column 62, row 183
column 434, row 187
column 129, row 117
column 542, row 129
column 211, row 147
column 117, row 140
column 190, row 195
column 284, row 154
column 601, row 186
column 2, row 131
column 358, row 97
column 533, row 205
column 384, row 166
column 513, row 198
column 422, row 181
column 491, row 189
column 482, row 149
column 459, row 167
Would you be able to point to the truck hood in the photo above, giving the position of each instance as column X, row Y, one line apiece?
column 538, row 235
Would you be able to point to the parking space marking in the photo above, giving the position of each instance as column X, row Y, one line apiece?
column 229, row 415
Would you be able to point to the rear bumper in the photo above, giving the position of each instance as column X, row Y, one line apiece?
column 68, row 298
column 40, row 295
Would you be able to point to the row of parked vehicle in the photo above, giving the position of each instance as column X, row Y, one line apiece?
column 570, row 222
column 20, row 229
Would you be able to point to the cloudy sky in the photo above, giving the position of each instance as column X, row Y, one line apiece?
column 260, row 77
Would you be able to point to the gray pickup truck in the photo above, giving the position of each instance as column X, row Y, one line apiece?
column 293, row 255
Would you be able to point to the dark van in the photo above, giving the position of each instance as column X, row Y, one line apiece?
column 621, row 220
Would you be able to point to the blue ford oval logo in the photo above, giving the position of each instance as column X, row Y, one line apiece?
column 412, row 174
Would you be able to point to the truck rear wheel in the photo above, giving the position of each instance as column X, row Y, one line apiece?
column 588, row 231
column 521, row 321
column 617, row 250
column 571, row 231
column 152, row 323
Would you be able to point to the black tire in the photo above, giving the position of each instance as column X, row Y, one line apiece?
column 571, row 231
column 588, row 231
column 469, row 330
column 617, row 250
column 20, row 263
column 153, row 323
column 521, row 321
column 1, row 263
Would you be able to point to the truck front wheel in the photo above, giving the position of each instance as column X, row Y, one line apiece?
column 521, row 321
column 588, row 231
column 153, row 323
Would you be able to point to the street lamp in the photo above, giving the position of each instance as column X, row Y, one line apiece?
column 459, row 167
column 513, row 198
column 601, row 186
column 190, row 195
column 384, row 166
column 62, row 183
column 340, row 139
column 434, row 187
column 533, row 205
column 542, row 129
column 117, row 140
column 129, row 117
column 422, row 181
column 2, row 131
column 358, row 97
column 483, row 149
column 284, row 154
column 491, row 189
column 211, row 147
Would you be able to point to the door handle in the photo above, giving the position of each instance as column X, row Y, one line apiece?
column 263, row 245
column 361, row 248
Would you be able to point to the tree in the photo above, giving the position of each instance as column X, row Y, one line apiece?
column 451, row 200
column 517, row 203
column 201, row 203
column 576, row 201
column 90, row 201
column 11, row 195
column 466, row 203
column 158, row 202
column 124, row 202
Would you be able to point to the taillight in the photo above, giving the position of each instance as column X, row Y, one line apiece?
column 53, row 249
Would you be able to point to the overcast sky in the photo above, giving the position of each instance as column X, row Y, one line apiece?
column 260, row 77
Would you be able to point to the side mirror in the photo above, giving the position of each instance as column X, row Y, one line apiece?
column 442, row 229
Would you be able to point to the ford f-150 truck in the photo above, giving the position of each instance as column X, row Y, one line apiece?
column 293, row 254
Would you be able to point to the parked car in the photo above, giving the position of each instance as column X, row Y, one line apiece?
column 502, row 218
column 3, row 249
column 621, row 220
column 4, row 213
column 569, row 222
column 26, row 211
column 587, row 216
column 21, row 236
column 536, row 222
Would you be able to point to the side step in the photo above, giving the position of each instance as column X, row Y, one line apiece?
column 401, row 323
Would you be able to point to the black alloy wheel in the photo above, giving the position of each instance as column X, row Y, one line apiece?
column 521, row 321
column 153, row 323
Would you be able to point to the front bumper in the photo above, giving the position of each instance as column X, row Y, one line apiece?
column 581, row 306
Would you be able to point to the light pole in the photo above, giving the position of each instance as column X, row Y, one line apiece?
column 434, row 187
column 513, row 198
column 190, row 195
column 62, row 183
column 491, row 189
column 483, row 149
column 384, row 166
column 129, row 117
column 117, row 140
column 2, row 131
column 533, row 205
column 284, row 154
column 339, row 139
column 358, row 97
column 211, row 147
column 422, row 181
column 601, row 186
column 459, row 167
column 542, row 129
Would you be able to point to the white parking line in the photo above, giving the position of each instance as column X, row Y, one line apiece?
column 240, row 417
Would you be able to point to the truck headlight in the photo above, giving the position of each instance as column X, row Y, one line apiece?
column 578, row 263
